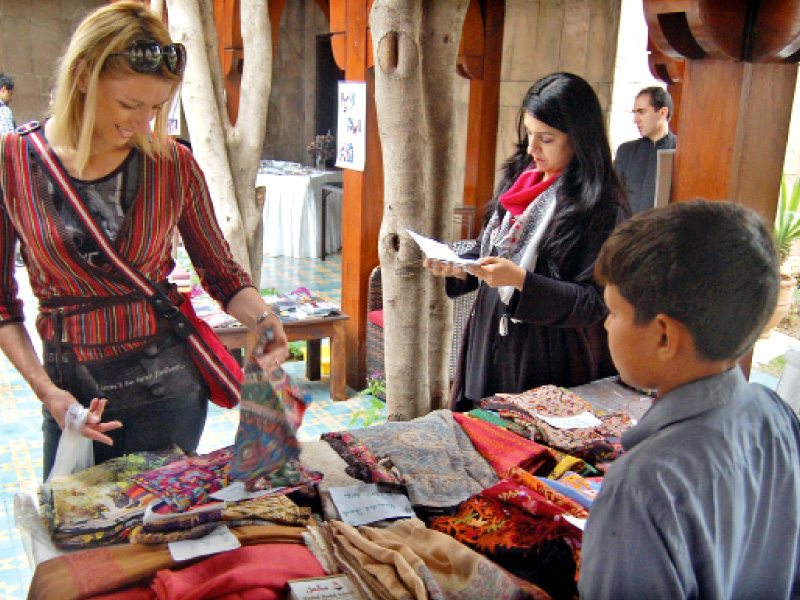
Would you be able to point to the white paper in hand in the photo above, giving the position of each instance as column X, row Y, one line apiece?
column 439, row 251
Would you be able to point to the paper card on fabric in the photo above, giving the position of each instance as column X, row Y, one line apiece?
column 362, row 504
column 219, row 540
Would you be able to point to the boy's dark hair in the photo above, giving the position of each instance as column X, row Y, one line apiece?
column 713, row 266
column 6, row 82
column 659, row 98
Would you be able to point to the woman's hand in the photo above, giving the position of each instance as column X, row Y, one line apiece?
column 58, row 401
column 444, row 269
column 497, row 272
column 275, row 352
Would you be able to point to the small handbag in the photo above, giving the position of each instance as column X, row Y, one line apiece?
column 218, row 367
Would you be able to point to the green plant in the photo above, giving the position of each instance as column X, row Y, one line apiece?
column 787, row 218
column 376, row 389
column 296, row 350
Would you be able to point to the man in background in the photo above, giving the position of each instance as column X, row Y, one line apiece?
column 636, row 160
column 6, row 93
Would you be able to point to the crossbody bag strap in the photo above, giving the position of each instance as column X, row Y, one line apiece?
column 158, row 299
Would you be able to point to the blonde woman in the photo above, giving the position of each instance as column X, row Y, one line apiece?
column 104, row 346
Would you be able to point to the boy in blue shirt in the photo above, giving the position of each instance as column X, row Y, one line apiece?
column 705, row 501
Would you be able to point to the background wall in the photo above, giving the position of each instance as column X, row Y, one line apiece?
column 33, row 34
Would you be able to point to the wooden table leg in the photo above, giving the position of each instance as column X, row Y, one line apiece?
column 313, row 359
column 338, row 362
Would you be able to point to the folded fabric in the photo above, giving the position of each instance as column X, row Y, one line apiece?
column 540, row 486
column 92, row 507
column 288, row 478
column 436, row 459
column 190, row 481
column 159, row 527
column 104, row 570
column 540, row 550
column 582, row 490
column 362, row 464
column 523, row 497
column 594, row 444
column 266, row 568
column 408, row 560
column 504, row 449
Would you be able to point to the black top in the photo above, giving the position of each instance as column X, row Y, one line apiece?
column 636, row 166
column 555, row 326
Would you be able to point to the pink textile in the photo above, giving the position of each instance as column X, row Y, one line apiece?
column 258, row 572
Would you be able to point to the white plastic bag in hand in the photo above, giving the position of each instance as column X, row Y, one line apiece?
column 75, row 452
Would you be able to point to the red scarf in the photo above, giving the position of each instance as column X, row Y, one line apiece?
column 525, row 190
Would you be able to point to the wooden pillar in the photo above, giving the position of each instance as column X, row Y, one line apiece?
column 480, row 61
column 736, row 99
column 734, row 129
column 362, row 203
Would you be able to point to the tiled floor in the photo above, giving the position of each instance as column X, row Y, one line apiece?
column 20, row 414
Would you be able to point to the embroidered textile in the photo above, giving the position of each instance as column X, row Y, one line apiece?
column 537, row 549
column 189, row 481
column 436, row 459
column 540, row 486
column 290, row 477
column 91, row 507
column 271, row 410
column 593, row 444
column 361, row 463
column 504, row 449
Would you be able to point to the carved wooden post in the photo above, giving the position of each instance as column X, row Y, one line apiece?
column 736, row 97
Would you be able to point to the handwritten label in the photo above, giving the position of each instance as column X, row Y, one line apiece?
column 581, row 421
column 219, row 540
column 362, row 504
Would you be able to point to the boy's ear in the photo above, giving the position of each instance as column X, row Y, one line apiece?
column 673, row 337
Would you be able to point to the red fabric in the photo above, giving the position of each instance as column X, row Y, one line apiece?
column 525, row 190
column 217, row 393
column 505, row 449
column 376, row 317
column 133, row 593
column 252, row 572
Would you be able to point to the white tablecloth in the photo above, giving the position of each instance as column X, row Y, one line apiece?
column 292, row 206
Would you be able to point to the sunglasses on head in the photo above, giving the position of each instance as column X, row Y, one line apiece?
column 147, row 56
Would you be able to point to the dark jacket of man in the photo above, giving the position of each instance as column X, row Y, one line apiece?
column 636, row 166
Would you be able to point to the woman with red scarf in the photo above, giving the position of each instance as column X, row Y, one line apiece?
column 538, row 317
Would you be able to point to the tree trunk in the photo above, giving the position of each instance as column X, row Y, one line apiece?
column 227, row 154
column 416, row 46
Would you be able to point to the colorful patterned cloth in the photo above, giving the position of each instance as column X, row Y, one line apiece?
column 539, row 550
column 593, row 444
column 582, row 490
column 271, row 411
column 290, row 477
column 91, row 507
column 188, row 482
column 504, row 449
column 361, row 463
column 541, row 487
column 158, row 528
column 437, row 460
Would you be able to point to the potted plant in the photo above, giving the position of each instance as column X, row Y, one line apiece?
column 787, row 231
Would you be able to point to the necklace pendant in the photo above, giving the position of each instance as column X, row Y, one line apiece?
column 504, row 325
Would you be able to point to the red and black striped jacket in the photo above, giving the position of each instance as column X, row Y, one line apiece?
column 97, row 310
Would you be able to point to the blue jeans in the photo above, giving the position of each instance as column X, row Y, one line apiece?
column 157, row 393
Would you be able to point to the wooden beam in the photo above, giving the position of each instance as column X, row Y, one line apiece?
column 484, row 105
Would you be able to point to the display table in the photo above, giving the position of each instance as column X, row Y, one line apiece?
column 293, row 215
column 313, row 331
